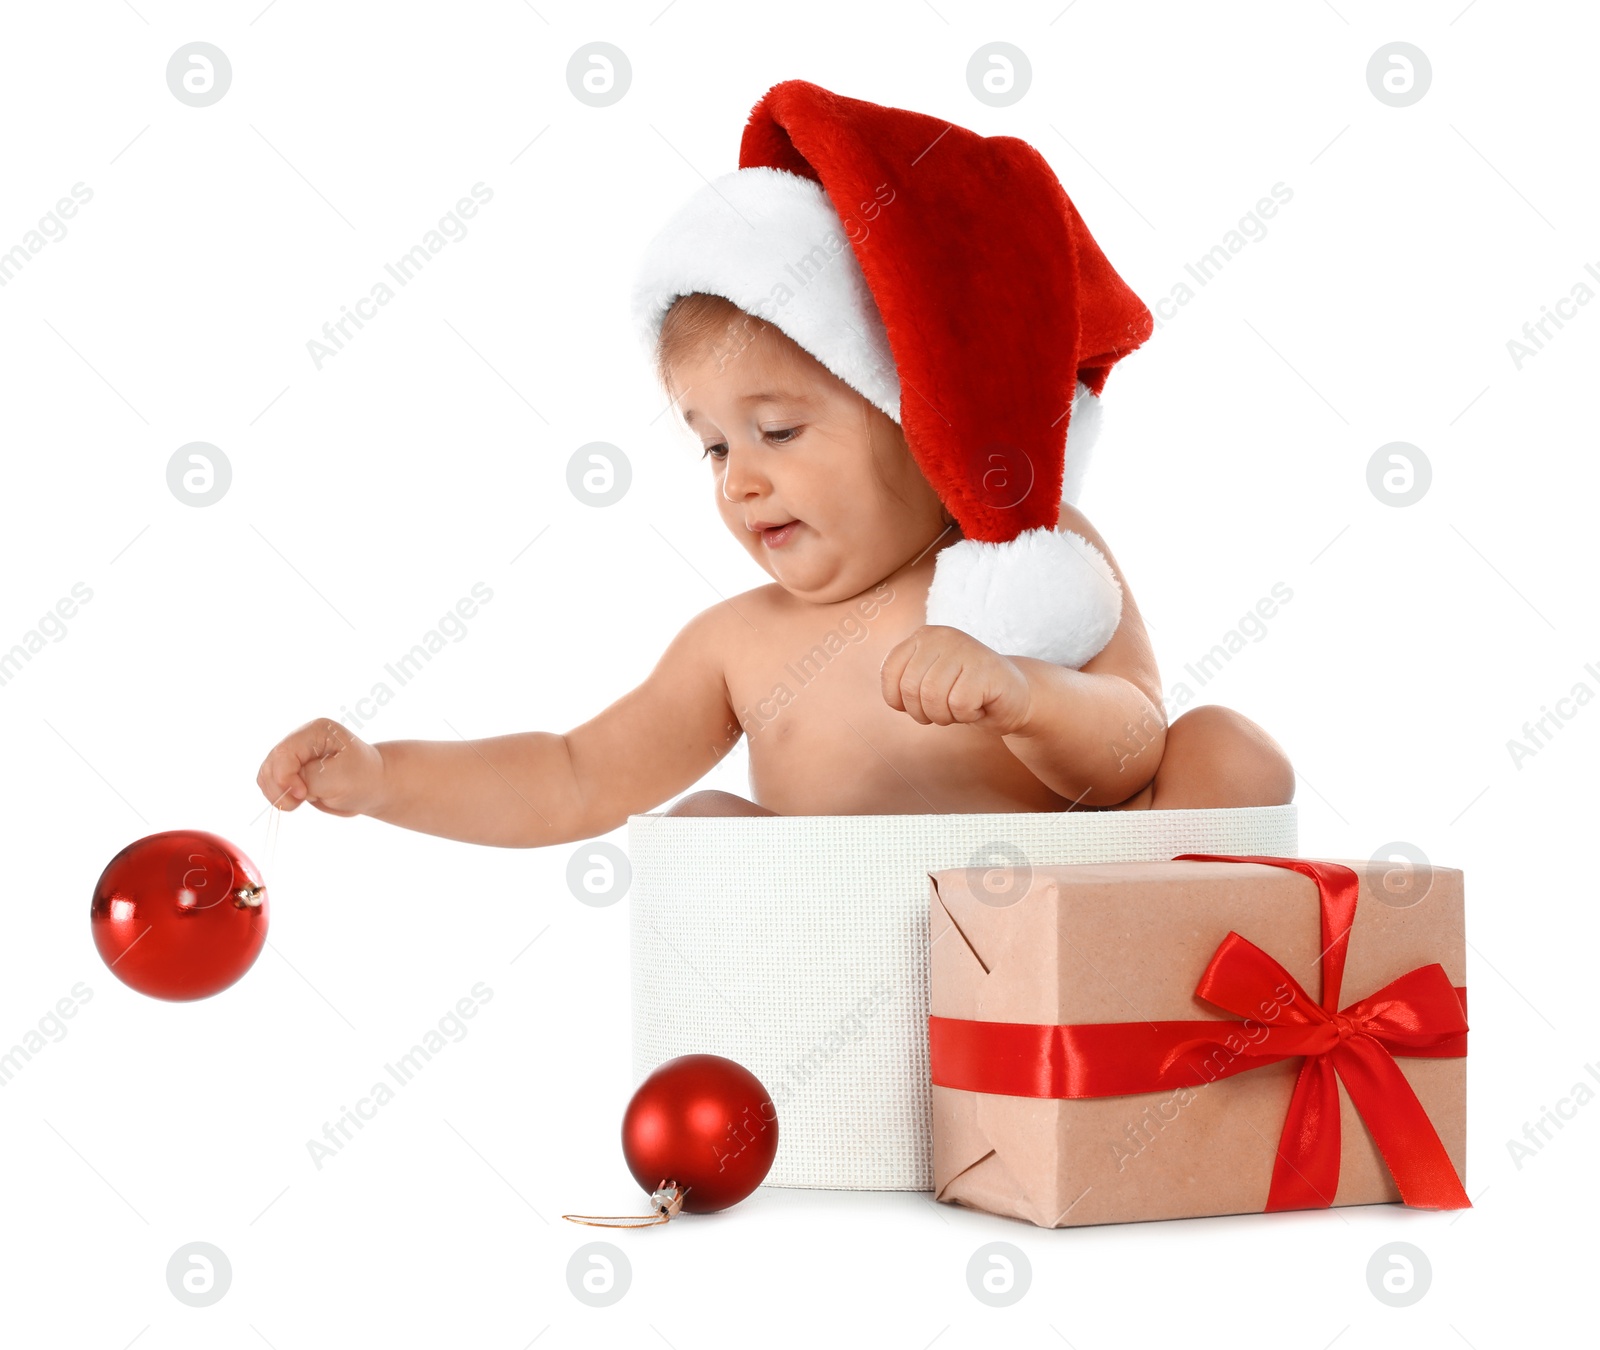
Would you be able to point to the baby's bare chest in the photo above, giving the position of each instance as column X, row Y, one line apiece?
column 807, row 689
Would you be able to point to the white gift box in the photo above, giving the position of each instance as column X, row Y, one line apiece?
column 798, row 946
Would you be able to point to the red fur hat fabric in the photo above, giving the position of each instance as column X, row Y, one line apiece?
column 994, row 294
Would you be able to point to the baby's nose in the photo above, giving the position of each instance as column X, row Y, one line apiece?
column 740, row 475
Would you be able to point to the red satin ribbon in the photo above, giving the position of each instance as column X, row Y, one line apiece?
column 1419, row 1014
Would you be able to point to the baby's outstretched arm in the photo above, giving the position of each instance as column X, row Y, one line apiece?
column 531, row 788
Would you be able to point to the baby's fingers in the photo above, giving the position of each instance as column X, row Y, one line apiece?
column 900, row 677
column 280, row 781
column 933, row 694
column 281, row 777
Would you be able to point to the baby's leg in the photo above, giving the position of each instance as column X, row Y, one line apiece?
column 713, row 802
column 1216, row 757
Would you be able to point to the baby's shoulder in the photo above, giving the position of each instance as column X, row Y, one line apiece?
column 1070, row 518
column 1073, row 521
column 736, row 619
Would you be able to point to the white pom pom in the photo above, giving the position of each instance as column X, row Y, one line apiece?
column 1048, row 594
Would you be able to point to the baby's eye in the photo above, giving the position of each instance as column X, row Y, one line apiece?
column 779, row 436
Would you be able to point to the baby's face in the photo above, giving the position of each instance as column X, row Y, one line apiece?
column 787, row 441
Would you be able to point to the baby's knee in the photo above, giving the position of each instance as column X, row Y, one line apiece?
column 1235, row 754
column 714, row 802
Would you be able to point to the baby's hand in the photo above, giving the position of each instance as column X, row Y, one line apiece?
column 942, row 675
column 325, row 764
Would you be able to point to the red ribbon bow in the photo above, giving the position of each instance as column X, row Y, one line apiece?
column 1419, row 1014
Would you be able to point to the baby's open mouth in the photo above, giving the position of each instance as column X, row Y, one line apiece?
column 778, row 535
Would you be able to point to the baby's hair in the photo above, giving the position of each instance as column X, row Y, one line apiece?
column 694, row 320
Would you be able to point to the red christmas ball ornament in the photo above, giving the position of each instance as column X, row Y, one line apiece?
column 705, row 1125
column 179, row 915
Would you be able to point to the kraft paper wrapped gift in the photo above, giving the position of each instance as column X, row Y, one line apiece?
column 1079, row 1075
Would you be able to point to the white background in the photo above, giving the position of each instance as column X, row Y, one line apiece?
column 369, row 496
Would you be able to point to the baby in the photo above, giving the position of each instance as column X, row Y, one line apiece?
column 851, row 703
column 872, row 327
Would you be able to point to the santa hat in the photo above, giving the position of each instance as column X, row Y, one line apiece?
column 946, row 277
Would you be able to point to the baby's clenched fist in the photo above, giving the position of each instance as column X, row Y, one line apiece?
column 941, row 676
column 325, row 764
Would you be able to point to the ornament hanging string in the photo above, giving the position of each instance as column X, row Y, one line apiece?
column 667, row 1200
column 249, row 896
column 273, row 827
